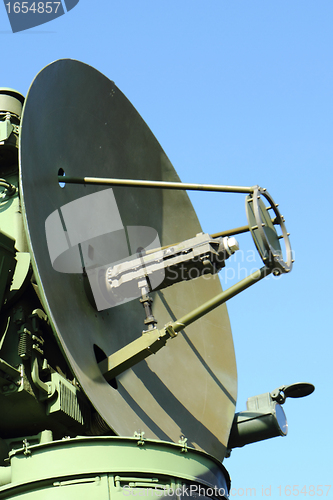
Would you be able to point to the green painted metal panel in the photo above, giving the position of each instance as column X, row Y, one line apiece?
column 97, row 466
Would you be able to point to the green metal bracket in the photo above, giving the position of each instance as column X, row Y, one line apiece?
column 47, row 389
column 149, row 343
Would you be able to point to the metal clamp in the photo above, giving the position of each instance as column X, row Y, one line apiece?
column 140, row 438
column 183, row 443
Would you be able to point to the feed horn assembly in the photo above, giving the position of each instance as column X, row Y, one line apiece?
column 117, row 364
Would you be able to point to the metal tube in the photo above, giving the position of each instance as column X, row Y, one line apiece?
column 208, row 306
column 222, row 234
column 231, row 232
column 154, row 184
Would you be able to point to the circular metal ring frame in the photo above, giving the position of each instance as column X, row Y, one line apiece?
column 271, row 256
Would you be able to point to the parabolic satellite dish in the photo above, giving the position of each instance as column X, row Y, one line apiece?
column 77, row 123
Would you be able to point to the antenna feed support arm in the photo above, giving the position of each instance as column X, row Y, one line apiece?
column 149, row 343
column 153, row 340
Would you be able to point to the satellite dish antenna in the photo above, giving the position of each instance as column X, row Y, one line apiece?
column 113, row 238
column 76, row 123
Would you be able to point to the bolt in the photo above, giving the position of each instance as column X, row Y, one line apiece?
column 233, row 244
column 229, row 244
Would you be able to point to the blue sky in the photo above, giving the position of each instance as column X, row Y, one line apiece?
column 237, row 92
